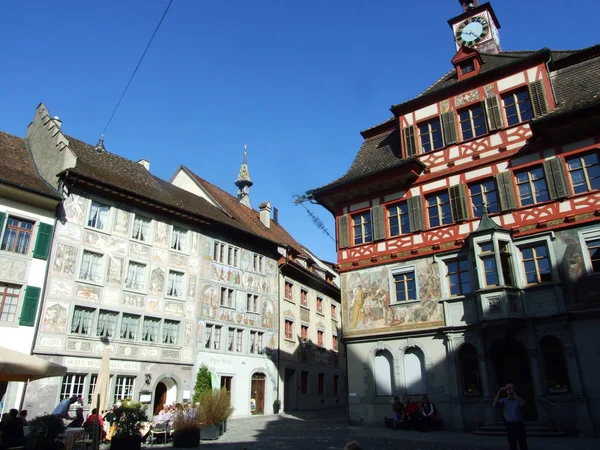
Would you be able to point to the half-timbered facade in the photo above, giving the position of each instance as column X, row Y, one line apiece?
column 467, row 233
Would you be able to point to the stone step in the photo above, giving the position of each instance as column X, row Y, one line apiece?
column 529, row 428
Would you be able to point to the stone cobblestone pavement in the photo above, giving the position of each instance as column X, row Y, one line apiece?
column 329, row 431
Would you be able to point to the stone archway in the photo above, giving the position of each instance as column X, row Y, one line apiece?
column 511, row 365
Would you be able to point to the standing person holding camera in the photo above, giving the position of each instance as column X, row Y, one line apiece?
column 513, row 416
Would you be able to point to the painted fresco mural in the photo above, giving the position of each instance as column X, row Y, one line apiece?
column 368, row 306
column 580, row 290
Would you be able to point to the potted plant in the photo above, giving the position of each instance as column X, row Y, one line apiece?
column 214, row 409
column 224, row 408
column 130, row 417
column 186, row 429
column 276, row 406
column 43, row 432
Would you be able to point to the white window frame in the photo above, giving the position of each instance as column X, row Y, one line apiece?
column 584, row 236
column 150, row 239
column 392, row 284
column 229, row 292
column 213, row 344
column 442, row 261
column 306, row 304
column 73, row 384
column 252, row 299
column 183, row 285
column 5, row 286
column 93, row 324
column 103, row 268
column 144, row 286
column 545, row 239
column 121, row 397
column 186, row 239
column 291, row 297
column 109, row 220
column 32, row 234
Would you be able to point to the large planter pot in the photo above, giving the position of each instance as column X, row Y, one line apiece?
column 225, row 426
column 126, row 443
column 44, row 444
column 276, row 407
column 221, row 429
column 186, row 438
column 210, row 433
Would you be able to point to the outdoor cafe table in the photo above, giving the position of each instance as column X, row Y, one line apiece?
column 71, row 435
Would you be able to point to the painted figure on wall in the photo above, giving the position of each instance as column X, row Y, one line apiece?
column 369, row 303
column 208, row 303
column 75, row 208
column 267, row 314
column 55, row 317
column 64, row 261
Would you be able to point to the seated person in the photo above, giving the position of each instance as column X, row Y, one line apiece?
column 163, row 416
column 397, row 411
column 78, row 420
column 12, row 431
column 429, row 414
column 23, row 417
column 411, row 415
column 89, row 423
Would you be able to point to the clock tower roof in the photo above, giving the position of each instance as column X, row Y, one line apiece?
column 469, row 12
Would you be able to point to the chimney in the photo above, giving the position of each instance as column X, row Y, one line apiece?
column 145, row 163
column 276, row 216
column 265, row 213
column 57, row 121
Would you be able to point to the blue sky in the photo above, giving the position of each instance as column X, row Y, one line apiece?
column 294, row 81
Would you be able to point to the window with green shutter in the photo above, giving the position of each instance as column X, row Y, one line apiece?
column 556, row 178
column 343, row 232
column 449, row 127
column 538, row 98
column 410, row 145
column 43, row 241
column 30, row 304
column 492, row 109
column 506, row 192
column 415, row 213
column 458, row 202
column 378, row 218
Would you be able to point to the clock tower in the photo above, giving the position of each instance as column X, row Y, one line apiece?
column 477, row 27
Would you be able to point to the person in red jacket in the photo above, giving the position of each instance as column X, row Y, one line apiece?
column 411, row 415
column 89, row 423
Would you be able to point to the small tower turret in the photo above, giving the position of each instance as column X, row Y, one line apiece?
column 244, row 182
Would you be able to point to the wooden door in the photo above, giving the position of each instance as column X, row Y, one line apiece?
column 258, row 393
column 160, row 397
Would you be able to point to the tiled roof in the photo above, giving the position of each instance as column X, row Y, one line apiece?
column 576, row 85
column 124, row 174
column 377, row 153
column 492, row 62
column 247, row 217
column 17, row 167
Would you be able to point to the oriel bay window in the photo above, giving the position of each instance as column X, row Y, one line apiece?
column 472, row 121
column 430, row 133
column 584, row 172
column 536, row 263
column 496, row 263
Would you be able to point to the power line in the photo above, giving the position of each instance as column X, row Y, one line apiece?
column 137, row 67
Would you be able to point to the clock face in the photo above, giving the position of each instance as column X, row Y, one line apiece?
column 472, row 31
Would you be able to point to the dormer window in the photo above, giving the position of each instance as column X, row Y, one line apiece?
column 467, row 67
column 467, row 63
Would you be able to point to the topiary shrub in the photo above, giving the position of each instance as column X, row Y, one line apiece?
column 203, row 383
